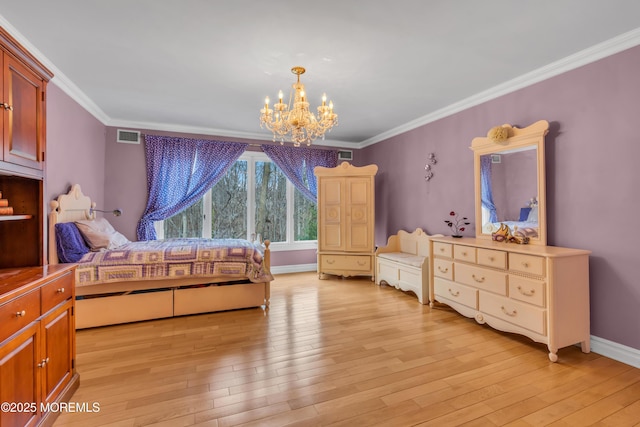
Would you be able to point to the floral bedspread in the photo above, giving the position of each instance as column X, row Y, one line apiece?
column 234, row 259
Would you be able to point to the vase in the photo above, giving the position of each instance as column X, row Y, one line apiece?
column 457, row 236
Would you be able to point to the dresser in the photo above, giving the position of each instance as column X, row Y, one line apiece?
column 346, row 220
column 37, row 343
column 541, row 292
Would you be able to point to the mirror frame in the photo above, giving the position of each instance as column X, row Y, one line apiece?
column 531, row 136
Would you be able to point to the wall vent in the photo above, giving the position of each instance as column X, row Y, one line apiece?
column 345, row 155
column 128, row 136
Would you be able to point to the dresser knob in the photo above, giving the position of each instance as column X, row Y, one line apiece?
column 479, row 280
column 455, row 294
column 512, row 313
column 21, row 313
column 61, row 290
column 525, row 264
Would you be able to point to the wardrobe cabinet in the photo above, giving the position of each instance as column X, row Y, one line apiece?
column 37, row 343
column 346, row 220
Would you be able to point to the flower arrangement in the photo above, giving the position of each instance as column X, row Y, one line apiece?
column 456, row 224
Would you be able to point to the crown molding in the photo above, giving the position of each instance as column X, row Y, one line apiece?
column 571, row 62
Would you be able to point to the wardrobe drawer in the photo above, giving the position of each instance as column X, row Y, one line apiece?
column 514, row 312
column 491, row 258
column 443, row 249
column 443, row 268
column 56, row 291
column 345, row 262
column 454, row 292
column 482, row 278
column 527, row 290
column 464, row 253
column 18, row 313
column 527, row 264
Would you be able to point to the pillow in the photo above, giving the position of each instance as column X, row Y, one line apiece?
column 69, row 242
column 533, row 215
column 100, row 234
column 524, row 214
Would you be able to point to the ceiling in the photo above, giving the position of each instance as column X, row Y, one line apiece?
column 201, row 66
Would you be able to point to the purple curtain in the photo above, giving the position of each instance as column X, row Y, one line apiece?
column 297, row 164
column 485, row 187
column 179, row 172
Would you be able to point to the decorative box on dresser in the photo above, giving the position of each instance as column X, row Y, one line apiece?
column 37, row 327
column 346, row 220
column 541, row 292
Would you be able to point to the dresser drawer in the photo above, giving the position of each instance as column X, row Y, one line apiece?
column 482, row 278
column 345, row 262
column 443, row 249
column 18, row 313
column 520, row 314
column 527, row 264
column 56, row 291
column 527, row 290
column 491, row 258
column 464, row 253
column 443, row 268
column 450, row 291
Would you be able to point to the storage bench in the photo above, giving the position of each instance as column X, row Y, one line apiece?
column 404, row 263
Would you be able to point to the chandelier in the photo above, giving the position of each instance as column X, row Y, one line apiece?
column 297, row 120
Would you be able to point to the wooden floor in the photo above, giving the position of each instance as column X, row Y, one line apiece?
column 341, row 352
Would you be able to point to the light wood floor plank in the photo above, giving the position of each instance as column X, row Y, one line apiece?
column 341, row 352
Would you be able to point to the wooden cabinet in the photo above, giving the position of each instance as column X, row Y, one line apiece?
column 22, row 108
column 541, row 292
column 37, row 342
column 22, row 147
column 346, row 220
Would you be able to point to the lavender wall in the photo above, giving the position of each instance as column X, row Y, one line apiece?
column 592, row 176
column 75, row 148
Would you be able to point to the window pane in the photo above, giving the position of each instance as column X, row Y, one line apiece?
column 229, row 204
column 305, row 218
column 187, row 223
column 271, row 202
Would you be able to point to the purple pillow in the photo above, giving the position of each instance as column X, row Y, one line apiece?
column 69, row 242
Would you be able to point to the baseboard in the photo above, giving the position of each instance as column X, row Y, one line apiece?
column 295, row 268
column 615, row 351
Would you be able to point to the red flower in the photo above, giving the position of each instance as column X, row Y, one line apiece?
column 452, row 213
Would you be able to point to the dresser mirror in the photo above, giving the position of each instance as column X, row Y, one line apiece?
column 510, row 182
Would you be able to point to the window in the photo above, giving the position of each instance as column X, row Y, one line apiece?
column 254, row 197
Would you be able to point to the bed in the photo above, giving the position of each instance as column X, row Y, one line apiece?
column 134, row 281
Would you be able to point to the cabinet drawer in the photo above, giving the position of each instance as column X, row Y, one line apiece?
column 482, row 278
column 517, row 313
column 491, row 258
column 443, row 249
column 56, row 291
column 345, row 262
column 527, row 290
column 464, row 253
column 450, row 291
column 527, row 264
column 443, row 268
column 18, row 313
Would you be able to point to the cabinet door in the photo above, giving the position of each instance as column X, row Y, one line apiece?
column 332, row 204
column 358, row 218
column 19, row 378
column 57, row 349
column 23, row 118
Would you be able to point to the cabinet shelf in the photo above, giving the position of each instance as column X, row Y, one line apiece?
column 14, row 217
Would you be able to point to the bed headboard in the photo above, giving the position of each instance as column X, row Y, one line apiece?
column 69, row 207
